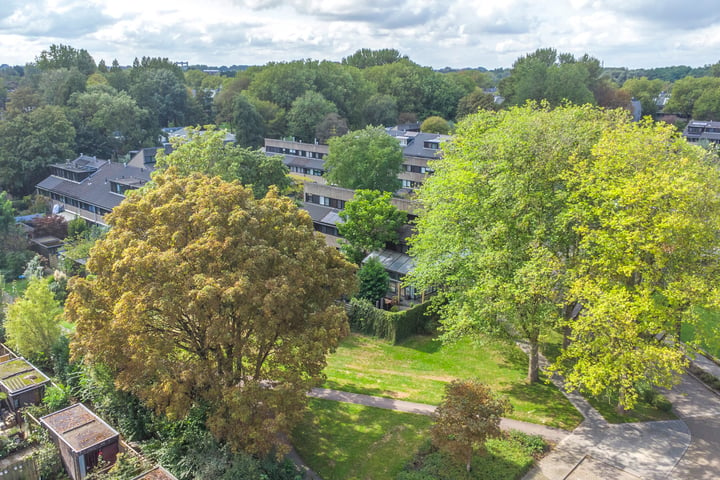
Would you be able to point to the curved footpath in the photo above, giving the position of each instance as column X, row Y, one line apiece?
column 684, row 449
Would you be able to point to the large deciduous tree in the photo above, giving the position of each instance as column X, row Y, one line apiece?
column 491, row 234
column 205, row 151
column 646, row 206
column 369, row 222
column 29, row 143
column 202, row 295
column 365, row 159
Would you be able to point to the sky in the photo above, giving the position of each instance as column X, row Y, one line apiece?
column 436, row 33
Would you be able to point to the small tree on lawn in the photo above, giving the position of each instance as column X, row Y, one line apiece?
column 374, row 280
column 468, row 415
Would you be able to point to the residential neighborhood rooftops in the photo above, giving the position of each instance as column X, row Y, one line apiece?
column 157, row 473
column 397, row 262
column 18, row 374
column 78, row 427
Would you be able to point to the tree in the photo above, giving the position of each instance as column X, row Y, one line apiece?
column 380, row 110
column 33, row 321
column 491, row 234
column 29, row 143
column 282, row 83
column 205, row 151
column 237, row 316
column 365, row 159
column 435, row 124
column 109, row 123
column 65, row 56
column 366, row 57
column 647, row 208
column 307, row 112
column 373, row 279
column 56, row 86
column 473, row 101
column 687, row 91
column 333, row 125
column 162, row 93
column 646, row 91
column 468, row 415
column 50, row 225
column 247, row 124
column 369, row 222
column 547, row 75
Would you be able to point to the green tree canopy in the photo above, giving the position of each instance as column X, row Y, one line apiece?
column 65, row 56
column 29, row 143
column 202, row 295
column 33, row 321
column 646, row 205
column 365, row 159
column 646, row 91
column 365, row 57
column 306, row 114
column 435, row 124
column 205, row 151
column 489, row 235
column 369, row 222
column 373, row 280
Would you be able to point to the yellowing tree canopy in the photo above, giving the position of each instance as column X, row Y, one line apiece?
column 200, row 294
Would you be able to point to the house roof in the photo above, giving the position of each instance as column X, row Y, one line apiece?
column 416, row 143
column 394, row 261
column 322, row 214
column 157, row 473
column 79, row 428
column 95, row 190
column 304, row 162
column 18, row 375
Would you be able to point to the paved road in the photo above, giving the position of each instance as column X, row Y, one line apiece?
column 699, row 408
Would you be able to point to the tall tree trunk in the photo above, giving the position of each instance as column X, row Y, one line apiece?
column 620, row 409
column 533, row 360
column 469, row 460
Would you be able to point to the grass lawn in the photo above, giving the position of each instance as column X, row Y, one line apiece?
column 418, row 369
column 643, row 412
column 343, row 441
column 706, row 333
column 16, row 287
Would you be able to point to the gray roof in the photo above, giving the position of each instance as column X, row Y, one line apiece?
column 416, row 143
column 304, row 162
column 95, row 190
column 394, row 261
column 321, row 214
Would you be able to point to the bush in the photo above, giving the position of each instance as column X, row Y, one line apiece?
column 533, row 445
column 392, row 326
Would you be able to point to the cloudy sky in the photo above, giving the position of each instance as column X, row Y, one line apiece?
column 437, row 33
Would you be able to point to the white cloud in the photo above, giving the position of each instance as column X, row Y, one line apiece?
column 633, row 33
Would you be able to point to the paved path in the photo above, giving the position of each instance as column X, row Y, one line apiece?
column 548, row 433
column 684, row 449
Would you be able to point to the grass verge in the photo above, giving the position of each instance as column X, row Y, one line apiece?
column 418, row 369
column 343, row 441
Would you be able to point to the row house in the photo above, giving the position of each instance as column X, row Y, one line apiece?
column 697, row 130
column 90, row 188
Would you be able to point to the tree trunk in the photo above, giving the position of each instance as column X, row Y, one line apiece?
column 620, row 409
column 533, row 362
column 567, row 331
column 469, row 460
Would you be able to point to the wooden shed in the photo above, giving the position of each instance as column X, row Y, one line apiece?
column 157, row 473
column 82, row 438
column 22, row 383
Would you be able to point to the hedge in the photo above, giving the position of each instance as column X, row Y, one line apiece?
column 392, row 326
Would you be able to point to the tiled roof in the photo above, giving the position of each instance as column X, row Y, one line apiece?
column 157, row 473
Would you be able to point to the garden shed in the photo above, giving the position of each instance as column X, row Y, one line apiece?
column 22, row 383
column 83, row 439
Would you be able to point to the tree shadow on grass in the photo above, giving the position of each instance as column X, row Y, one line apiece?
column 353, row 388
column 422, row 343
column 547, row 402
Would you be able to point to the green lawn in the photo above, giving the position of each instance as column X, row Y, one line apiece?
column 418, row 369
column 16, row 287
column 343, row 441
column 706, row 333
